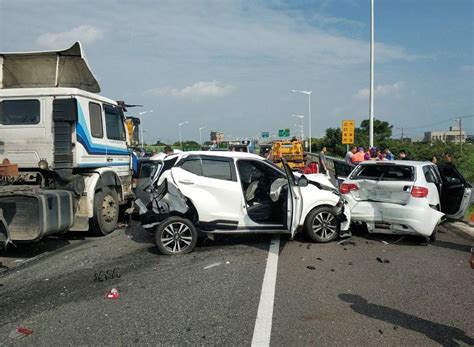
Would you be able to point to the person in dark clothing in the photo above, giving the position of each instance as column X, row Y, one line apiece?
column 322, row 161
column 402, row 155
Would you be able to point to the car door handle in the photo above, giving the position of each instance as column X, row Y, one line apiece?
column 186, row 182
column 110, row 159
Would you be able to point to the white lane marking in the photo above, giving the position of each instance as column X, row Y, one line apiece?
column 263, row 324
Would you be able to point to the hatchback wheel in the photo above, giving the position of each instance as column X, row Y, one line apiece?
column 176, row 235
column 322, row 225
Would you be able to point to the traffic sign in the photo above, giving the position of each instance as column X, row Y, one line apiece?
column 348, row 132
column 265, row 134
column 284, row 132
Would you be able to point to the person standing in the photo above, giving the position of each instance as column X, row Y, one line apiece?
column 322, row 161
column 359, row 156
column 388, row 154
column 402, row 155
column 349, row 155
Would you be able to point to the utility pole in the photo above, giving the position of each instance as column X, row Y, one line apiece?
column 460, row 136
column 371, row 102
column 402, row 136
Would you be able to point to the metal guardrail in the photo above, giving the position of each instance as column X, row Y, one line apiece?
column 337, row 167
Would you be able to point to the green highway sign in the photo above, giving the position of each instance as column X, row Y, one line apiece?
column 284, row 132
column 265, row 134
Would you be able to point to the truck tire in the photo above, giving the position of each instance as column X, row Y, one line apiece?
column 322, row 225
column 106, row 211
column 176, row 235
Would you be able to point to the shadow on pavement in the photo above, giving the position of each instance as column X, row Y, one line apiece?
column 443, row 334
column 412, row 240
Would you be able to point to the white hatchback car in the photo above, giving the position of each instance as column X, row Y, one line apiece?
column 405, row 197
column 233, row 192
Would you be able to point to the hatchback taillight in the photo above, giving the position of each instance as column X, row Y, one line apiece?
column 345, row 188
column 419, row 192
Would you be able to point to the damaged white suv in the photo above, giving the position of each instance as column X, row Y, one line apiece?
column 405, row 197
column 232, row 192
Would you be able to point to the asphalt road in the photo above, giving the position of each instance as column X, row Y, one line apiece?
column 325, row 294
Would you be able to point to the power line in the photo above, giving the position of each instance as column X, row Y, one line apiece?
column 440, row 122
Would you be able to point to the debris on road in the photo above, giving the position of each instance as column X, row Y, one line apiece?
column 311, row 267
column 381, row 332
column 308, row 246
column 383, row 261
column 212, row 265
column 346, row 242
column 227, row 262
column 112, row 294
column 401, row 238
column 384, row 242
column 20, row 332
column 320, row 259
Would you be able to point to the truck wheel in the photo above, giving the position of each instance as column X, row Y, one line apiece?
column 106, row 211
column 176, row 235
column 321, row 224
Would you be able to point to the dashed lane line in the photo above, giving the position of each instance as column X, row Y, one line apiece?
column 263, row 324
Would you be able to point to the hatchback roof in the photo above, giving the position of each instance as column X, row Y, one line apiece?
column 396, row 162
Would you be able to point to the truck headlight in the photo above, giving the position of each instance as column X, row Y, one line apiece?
column 43, row 164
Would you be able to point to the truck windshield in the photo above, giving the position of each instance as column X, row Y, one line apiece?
column 18, row 112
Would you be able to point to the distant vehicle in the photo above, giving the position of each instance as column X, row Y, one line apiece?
column 405, row 197
column 291, row 151
column 232, row 192
column 69, row 147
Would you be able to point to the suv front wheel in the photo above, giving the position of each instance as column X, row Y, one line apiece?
column 176, row 235
column 322, row 224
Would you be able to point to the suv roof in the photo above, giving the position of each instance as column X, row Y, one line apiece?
column 227, row 154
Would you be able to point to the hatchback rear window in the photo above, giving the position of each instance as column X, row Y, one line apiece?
column 384, row 173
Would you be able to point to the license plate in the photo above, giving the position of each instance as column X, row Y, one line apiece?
column 379, row 194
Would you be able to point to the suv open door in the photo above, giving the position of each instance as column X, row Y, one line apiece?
column 455, row 192
column 295, row 202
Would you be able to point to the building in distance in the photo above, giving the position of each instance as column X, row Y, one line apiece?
column 454, row 135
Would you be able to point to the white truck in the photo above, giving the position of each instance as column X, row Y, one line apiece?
column 64, row 148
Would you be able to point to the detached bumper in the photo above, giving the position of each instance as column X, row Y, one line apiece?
column 416, row 218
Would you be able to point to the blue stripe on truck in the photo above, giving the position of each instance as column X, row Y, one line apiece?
column 84, row 139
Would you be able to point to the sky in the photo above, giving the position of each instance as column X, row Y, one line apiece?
column 230, row 65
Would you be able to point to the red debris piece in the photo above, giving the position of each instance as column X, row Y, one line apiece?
column 112, row 294
column 20, row 332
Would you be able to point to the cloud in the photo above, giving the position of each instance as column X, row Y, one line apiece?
column 84, row 33
column 467, row 68
column 381, row 90
column 198, row 89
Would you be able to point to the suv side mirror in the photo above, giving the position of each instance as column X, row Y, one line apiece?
column 302, row 181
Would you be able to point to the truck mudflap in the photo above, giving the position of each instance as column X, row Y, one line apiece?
column 167, row 200
column 31, row 214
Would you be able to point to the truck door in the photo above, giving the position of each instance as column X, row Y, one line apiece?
column 117, row 154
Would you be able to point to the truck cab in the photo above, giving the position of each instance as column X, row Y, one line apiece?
column 69, row 143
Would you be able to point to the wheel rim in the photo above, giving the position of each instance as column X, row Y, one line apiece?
column 109, row 209
column 324, row 225
column 176, row 237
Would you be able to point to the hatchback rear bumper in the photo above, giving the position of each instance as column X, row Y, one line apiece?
column 417, row 217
